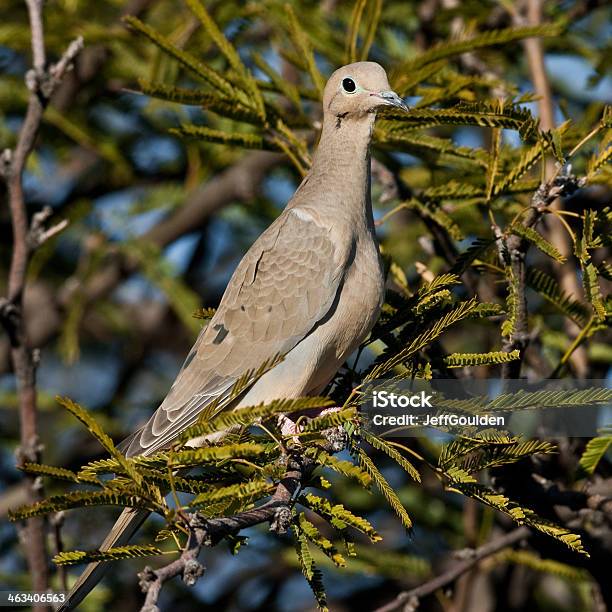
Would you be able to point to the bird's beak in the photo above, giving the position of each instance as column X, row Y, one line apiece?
column 392, row 99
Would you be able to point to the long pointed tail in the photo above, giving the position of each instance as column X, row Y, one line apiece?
column 123, row 529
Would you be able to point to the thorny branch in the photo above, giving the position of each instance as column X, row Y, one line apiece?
column 41, row 82
column 409, row 600
column 205, row 531
column 513, row 251
column 208, row 532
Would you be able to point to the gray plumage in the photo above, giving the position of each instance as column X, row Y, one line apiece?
column 310, row 287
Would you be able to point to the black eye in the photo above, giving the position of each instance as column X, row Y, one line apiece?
column 349, row 85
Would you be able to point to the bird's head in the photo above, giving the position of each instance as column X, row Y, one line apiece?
column 358, row 89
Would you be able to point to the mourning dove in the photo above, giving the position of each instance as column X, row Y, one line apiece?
column 310, row 288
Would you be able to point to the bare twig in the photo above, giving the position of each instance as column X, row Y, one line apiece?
column 238, row 183
column 41, row 83
column 410, row 599
column 208, row 532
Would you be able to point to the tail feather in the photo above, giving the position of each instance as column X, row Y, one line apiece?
column 123, row 529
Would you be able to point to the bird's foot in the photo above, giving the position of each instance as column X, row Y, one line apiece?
column 289, row 427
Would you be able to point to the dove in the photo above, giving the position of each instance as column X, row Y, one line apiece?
column 310, row 288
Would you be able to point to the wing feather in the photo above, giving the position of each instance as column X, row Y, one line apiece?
column 284, row 285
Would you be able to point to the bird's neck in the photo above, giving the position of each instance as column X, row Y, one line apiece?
column 341, row 163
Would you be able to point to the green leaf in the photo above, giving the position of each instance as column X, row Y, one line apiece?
column 389, row 563
column 236, row 139
column 131, row 551
column 492, row 168
column 594, row 452
column 108, row 466
column 437, row 214
column 494, row 37
column 461, row 360
column 473, row 252
column 309, row 569
column 50, row 471
column 564, row 535
column 246, row 78
column 453, row 190
column 486, row 309
column 444, row 148
column 392, row 452
column 353, row 31
column 598, row 161
column 288, row 89
column 320, row 541
column 495, row 455
column 94, row 428
column 460, row 312
column 546, row 247
column 545, row 398
column 80, row 499
column 330, row 419
column 463, row 445
column 232, row 109
column 190, row 62
column 482, row 115
column 549, row 289
column 204, row 313
column 406, row 82
column 592, row 290
column 338, row 515
column 302, row 45
column 346, row 468
column 522, row 515
column 372, row 21
column 548, row 566
column 213, row 454
column 527, row 160
column 249, row 415
column 386, row 489
column 244, row 493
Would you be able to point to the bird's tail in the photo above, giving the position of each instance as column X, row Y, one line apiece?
column 123, row 529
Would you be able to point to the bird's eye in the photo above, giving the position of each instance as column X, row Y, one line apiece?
column 349, row 85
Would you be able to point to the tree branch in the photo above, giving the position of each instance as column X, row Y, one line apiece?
column 239, row 183
column 208, row 532
column 408, row 600
column 513, row 251
column 41, row 83
column 566, row 273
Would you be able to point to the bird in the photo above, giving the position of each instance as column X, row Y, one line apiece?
column 310, row 288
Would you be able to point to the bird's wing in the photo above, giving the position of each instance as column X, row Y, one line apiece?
column 286, row 283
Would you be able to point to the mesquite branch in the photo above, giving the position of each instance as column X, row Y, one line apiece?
column 513, row 251
column 208, row 532
column 409, row 600
column 41, row 82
